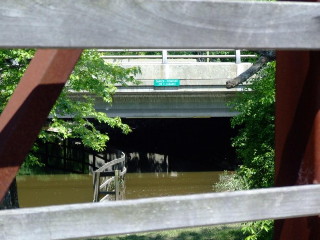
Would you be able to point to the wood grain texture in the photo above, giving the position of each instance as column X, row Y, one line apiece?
column 112, row 163
column 159, row 24
column 107, row 218
column 96, row 183
column 100, row 173
column 106, row 182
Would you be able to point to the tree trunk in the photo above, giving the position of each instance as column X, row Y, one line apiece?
column 10, row 200
column 266, row 56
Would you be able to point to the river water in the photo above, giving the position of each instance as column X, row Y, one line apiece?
column 44, row 190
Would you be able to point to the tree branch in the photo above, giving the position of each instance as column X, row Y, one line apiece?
column 266, row 56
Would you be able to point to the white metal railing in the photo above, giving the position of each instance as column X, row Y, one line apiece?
column 166, row 56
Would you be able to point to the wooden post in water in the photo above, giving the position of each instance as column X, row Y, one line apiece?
column 46, row 154
column 96, row 185
column 83, row 159
column 117, row 185
column 64, row 146
column 93, row 162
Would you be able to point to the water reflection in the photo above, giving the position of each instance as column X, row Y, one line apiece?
column 43, row 190
column 142, row 185
column 147, row 162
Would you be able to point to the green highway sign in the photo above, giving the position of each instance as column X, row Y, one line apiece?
column 166, row 82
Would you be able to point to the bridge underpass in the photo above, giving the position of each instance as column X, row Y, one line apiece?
column 176, row 126
column 177, row 144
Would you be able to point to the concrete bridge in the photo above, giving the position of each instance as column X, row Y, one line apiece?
column 178, row 85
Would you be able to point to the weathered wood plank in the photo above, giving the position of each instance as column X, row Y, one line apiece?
column 106, row 182
column 111, row 163
column 117, row 185
column 159, row 24
column 109, row 180
column 96, row 183
column 83, row 220
column 123, row 172
column 107, row 196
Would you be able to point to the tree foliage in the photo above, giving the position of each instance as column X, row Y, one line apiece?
column 72, row 114
column 254, row 142
column 12, row 65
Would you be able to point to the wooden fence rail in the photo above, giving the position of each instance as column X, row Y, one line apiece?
column 167, row 24
column 179, row 24
column 85, row 220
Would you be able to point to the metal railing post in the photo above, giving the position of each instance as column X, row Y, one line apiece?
column 238, row 56
column 164, row 56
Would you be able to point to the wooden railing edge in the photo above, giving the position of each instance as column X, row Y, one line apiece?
column 111, row 163
column 130, row 216
column 250, row 25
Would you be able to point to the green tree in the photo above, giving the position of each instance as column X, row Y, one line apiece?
column 254, row 142
column 70, row 117
column 90, row 79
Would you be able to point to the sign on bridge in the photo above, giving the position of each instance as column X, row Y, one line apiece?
column 166, row 82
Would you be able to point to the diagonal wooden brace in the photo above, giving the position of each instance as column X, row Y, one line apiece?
column 29, row 106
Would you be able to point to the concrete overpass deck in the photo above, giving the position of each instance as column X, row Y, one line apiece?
column 199, row 89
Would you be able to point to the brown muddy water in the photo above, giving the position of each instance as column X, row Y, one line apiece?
column 44, row 190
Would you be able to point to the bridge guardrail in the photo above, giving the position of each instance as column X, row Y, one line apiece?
column 165, row 56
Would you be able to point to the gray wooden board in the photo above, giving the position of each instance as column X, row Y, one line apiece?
column 111, row 163
column 109, row 180
column 159, row 24
column 106, row 182
column 108, row 218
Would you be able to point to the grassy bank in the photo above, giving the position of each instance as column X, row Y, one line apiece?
column 225, row 232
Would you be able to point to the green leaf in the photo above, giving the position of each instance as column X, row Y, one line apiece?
column 74, row 112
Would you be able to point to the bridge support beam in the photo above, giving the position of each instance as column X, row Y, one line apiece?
column 298, row 133
column 29, row 106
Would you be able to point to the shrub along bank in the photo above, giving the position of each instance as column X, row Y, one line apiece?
column 224, row 232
